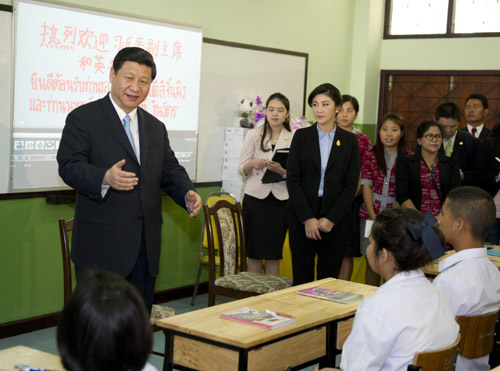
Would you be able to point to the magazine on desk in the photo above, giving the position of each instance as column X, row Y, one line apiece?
column 267, row 319
column 330, row 294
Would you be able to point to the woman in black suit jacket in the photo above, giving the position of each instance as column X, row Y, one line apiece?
column 322, row 175
column 424, row 179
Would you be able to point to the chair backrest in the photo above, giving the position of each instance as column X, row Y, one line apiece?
column 66, row 226
column 225, row 227
column 210, row 200
column 477, row 334
column 438, row 360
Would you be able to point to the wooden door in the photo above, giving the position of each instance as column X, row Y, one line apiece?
column 416, row 94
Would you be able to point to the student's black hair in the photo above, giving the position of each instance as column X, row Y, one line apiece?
column 327, row 89
column 476, row 207
column 448, row 110
column 423, row 128
column 481, row 97
column 104, row 326
column 267, row 127
column 349, row 98
column 391, row 231
column 134, row 54
column 378, row 149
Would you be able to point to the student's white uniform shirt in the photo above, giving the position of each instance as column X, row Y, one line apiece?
column 471, row 284
column 405, row 316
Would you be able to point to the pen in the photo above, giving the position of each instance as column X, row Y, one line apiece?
column 279, row 314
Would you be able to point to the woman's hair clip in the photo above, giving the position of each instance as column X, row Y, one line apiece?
column 425, row 231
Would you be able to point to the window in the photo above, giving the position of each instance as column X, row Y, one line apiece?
column 441, row 18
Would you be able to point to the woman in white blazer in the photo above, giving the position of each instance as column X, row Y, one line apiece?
column 264, row 214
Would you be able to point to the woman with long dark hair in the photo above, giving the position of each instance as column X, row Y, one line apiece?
column 264, row 214
column 378, row 178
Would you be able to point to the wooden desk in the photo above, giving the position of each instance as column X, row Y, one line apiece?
column 432, row 269
column 201, row 340
column 22, row 355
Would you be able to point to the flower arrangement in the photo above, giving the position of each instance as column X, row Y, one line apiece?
column 252, row 114
column 298, row 122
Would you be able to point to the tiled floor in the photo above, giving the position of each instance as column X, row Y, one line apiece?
column 45, row 340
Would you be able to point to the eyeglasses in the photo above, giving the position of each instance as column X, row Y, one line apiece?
column 431, row 137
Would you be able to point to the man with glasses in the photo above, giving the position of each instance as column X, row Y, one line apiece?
column 459, row 144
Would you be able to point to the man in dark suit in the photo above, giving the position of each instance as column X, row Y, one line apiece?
column 459, row 144
column 476, row 110
column 118, row 158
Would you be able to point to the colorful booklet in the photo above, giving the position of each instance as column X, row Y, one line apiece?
column 330, row 294
column 267, row 319
column 494, row 252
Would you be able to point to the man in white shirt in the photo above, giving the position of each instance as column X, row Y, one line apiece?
column 468, row 279
column 476, row 110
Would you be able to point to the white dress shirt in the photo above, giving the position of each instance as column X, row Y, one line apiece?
column 405, row 316
column 471, row 284
column 478, row 129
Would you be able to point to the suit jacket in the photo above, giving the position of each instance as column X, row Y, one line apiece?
column 107, row 230
column 485, row 133
column 304, row 175
column 487, row 167
column 465, row 150
column 251, row 149
column 409, row 185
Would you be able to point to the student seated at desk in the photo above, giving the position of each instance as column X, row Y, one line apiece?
column 468, row 279
column 407, row 314
column 104, row 326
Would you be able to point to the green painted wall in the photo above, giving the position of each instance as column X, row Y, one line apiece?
column 31, row 262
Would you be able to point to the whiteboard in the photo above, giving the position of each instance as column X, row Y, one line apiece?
column 5, row 93
column 231, row 72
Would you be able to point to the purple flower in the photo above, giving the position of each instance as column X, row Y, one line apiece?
column 258, row 115
column 258, row 100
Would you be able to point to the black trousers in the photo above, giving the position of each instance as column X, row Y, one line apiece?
column 330, row 250
column 139, row 277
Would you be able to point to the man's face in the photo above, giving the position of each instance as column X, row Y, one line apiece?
column 449, row 126
column 445, row 222
column 475, row 113
column 130, row 85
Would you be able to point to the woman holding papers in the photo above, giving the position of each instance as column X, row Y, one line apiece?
column 323, row 173
column 407, row 314
column 378, row 178
column 264, row 214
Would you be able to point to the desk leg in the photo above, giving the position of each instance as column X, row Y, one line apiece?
column 243, row 360
column 331, row 350
column 168, row 362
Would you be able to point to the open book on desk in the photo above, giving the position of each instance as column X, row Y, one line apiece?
column 330, row 294
column 281, row 156
column 267, row 319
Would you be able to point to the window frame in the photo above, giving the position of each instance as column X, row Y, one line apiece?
column 449, row 22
